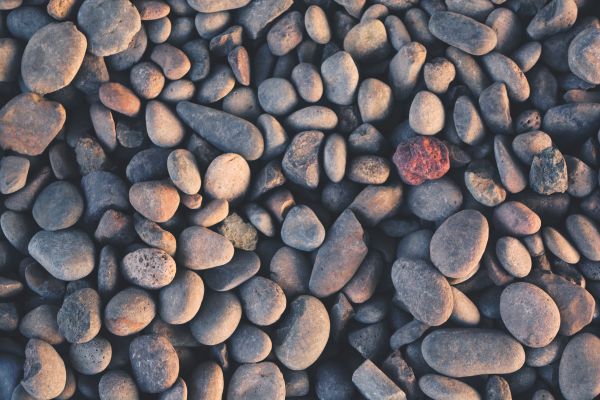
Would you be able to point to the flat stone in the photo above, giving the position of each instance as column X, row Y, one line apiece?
column 249, row 344
column 163, row 126
column 28, row 123
column 13, row 173
column 503, row 69
column 52, row 57
column 435, row 200
column 367, row 40
column 464, row 352
column 180, row 300
column 513, row 256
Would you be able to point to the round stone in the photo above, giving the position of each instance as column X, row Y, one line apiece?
column 58, row 206
column 117, row 384
column 277, row 96
column 513, row 256
column 529, row 314
column 263, row 301
column 421, row 158
column 149, row 268
column 459, row 242
column 52, row 57
column 302, row 229
column 183, row 171
column 435, row 200
column 110, row 25
column 227, row 177
column 303, row 333
column 584, row 52
column 163, row 126
column 249, row 344
column 154, row 363
column 516, row 218
column 92, row 357
column 422, row 290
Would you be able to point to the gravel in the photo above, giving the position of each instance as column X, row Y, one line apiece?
column 270, row 199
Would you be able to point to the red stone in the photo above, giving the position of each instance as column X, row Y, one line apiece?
column 421, row 158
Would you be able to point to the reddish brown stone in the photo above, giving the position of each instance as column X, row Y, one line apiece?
column 421, row 158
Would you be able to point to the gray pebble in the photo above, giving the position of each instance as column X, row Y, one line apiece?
column 426, row 115
column 374, row 384
column 163, row 126
column 585, row 235
column 224, row 131
column 467, row 121
column 40, row 323
column 256, row 381
column 103, row 190
column 578, row 369
column 92, row 357
column 422, row 290
column 582, row 178
column 277, row 96
column 503, row 69
column 206, row 382
column 438, row 75
column 405, row 69
column 439, row 387
column 129, row 311
column 201, row 248
column 13, row 173
column 24, row 22
column 218, row 84
column 483, row 182
column 111, row 30
column 367, row 41
column 58, row 206
column 301, row 160
column 529, row 144
column 555, row 17
column 316, row 24
column 218, row 318
column 243, row 266
column 146, row 352
column 512, row 176
column 333, row 382
column 548, row 173
column 340, row 76
column 118, row 385
column 435, row 200
column 45, row 375
column 249, row 344
column 302, row 229
column 560, row 246
column 375, row 100
column 79, row 317
column 286, row 34
column 155, row 200
column 463, row 32
column 183, row 171
column 263, row 301
column 148, row 268
column 312, row 118
column 302, row 334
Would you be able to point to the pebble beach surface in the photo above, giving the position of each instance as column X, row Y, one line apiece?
column 304, row 199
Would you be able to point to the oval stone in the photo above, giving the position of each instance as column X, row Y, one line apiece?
column 579, row 368
column 458, row 244
column 462, row 32
column 201, row 248
column 584, row 52
column 218, row 318
column 303, row 333
column 149, row 268
column 529, row 314
column 156, row 200
column 422, row 290
column 52, row 57
column 460, row 353
column 256, row 381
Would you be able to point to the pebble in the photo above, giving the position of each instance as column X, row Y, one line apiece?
column 92, row 357
column 367, row 40
column 462, row 32
column 58, row 206
column 340, row 76
column 578, row 368
column 27, row 136
column 426, row 115
column 201, row 248
column 286, row 34
column 218, row 318
column 148, row 268
column 312, row 118
column 339, row 257
column 555, row 17
column 110, row 30
column 117, row 384
column 464, row 311
column 335, row 157
column 316, row 24
column 262, row 380
column 548, row 173
column 52, row 57
column 513, row 256
column 241, row 234
column 153, row 235
column 227, row 178
column 302, row 229
column 374, row 384
column 464, row 352
column 511, row 173
column 249, row 344
column 439, row 387
column 458, row 244
column 435, row 200
column 13, row 174
column 40, row 323
column 585, row 235
column 183, row 171
column 519, row 299
column 67, row 255
column 303, row 333
column 45, row 375
column 155, row 200
column 225, row 131
column 505, row 70
column 180, row 300
column 146, row 352
column 263, row 301
column 529, row 144
column 467, row 122
column 421, row 158
column 515, row 218
column 163, row 126
column 422, row 290
column 301, row 162
column 370, row 170
column 582, row 178
column 560, row 246
column 206, row 382
column 495, row 108
column 405, row 68
column 129, row 312
column 290, row 269
column 583, row 50
column 79, row 317
column 483, row 183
